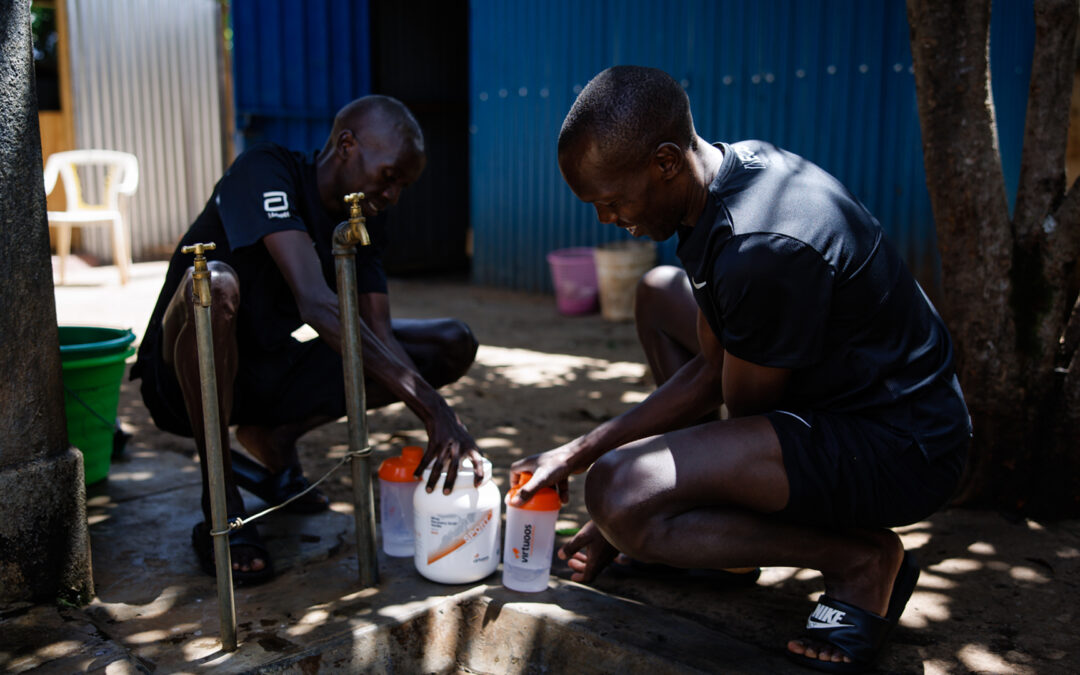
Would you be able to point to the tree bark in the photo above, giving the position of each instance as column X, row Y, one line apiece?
column 1010, row 287
column 950, row 49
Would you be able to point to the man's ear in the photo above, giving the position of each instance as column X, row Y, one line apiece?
column 668, row 160
column 346, row 143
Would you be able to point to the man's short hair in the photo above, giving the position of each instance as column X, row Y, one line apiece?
column 628, row 111
column 354, row 113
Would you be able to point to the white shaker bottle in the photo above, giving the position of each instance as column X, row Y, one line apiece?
column 396, row 487
column 530, row 539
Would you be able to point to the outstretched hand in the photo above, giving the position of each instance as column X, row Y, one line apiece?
column 587, row 554
column 548, row 469
column 448, row 443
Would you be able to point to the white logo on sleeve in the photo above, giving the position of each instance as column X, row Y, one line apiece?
column 697, row 285
column 276, row 204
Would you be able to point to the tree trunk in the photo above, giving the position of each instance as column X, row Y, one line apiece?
column 1009, row 287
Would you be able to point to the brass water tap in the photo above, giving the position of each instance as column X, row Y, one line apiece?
column 357, row 229
column 201, row 276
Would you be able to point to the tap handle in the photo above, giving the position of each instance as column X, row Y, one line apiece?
column 353, row 200
column 199, row 249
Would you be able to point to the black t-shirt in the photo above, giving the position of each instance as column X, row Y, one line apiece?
column 791, row 271
column 267, row 189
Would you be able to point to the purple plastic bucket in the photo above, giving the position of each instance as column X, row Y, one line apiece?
column 573, row 272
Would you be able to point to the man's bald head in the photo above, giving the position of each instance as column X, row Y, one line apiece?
column 384, row 110
column 628, row 111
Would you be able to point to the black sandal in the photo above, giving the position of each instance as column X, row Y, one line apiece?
column 277, row 488
column 858, row 633
column 246, row 536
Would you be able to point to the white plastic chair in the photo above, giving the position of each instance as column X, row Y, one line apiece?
column 121, row 177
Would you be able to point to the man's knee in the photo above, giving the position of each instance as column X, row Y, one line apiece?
column 655, row 289
column 224, row 288
column 613, row 499
column 461, row 346
column 224, row 300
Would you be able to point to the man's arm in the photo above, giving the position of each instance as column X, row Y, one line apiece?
column 448, row 441
column 375, row 312
column 697, row 388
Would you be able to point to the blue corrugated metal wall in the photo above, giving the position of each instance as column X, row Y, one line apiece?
column 828, row 79
column 295, row 63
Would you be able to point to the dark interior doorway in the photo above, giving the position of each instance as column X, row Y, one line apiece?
column 420, row 55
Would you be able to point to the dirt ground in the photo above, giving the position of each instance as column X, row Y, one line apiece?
column 997, row 594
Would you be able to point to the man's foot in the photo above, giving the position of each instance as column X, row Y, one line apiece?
column 277, row 488
column 250, row 560
column 858, row 598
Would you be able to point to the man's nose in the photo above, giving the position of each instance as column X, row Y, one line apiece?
column 392, row 194
column 605, row 215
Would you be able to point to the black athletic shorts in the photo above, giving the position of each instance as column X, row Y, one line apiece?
column 850, row 471
column 299, row 381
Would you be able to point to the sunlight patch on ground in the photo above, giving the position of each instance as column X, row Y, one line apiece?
column 58, row 649
column 937, row 667
column 1068, row 552
column 957, row 565
column 203, row 648
column 304, row 333
column 915, row 540
column 633, row 397
column 933, row 608
column 529, row 368
column 978, row 658
column 147, row 636
column 982, row 548
column 805, row 574
column 130, row 475
column 1024, row 573
column 489, row 443
column 928, row 580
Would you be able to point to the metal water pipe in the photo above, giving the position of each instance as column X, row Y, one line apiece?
column 346, row 236
column 219, row 525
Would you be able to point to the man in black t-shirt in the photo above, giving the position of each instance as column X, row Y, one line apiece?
column 272, row 217
column 844, row 415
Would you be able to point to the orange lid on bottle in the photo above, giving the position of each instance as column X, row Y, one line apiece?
column 545, row 499
column 411, row 455
column 400, row 469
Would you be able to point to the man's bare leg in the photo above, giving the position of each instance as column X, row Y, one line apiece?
column 665, row 315
column 701, row 497
column 180, row 350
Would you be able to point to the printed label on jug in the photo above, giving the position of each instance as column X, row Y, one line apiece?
column 454, row 531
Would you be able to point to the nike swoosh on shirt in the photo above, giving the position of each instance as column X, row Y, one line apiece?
column 696, row 284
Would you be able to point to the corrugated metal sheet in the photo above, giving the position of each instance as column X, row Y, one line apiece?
column 828, row 79
column 295, row 64
column 145, row 78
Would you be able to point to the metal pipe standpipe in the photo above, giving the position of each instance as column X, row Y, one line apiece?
column 219, row 525
column 346, row 236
